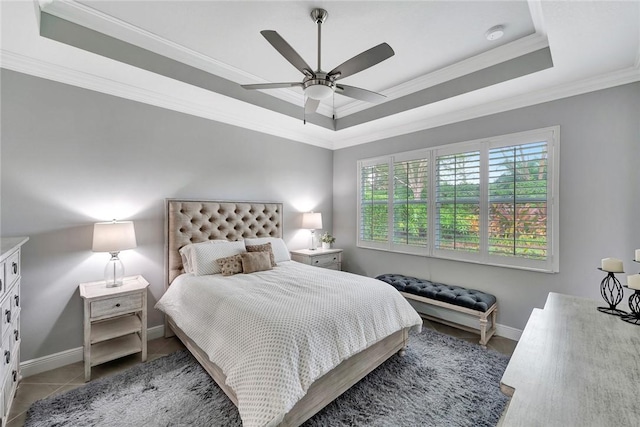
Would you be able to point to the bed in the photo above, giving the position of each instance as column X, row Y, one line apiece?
column 194, row 221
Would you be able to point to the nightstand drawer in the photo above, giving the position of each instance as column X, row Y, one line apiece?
column 321, row 260
column 117, row 305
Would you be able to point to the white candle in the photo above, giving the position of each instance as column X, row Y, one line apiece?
column 637, row 258
column 612, row 265
column 633, row 281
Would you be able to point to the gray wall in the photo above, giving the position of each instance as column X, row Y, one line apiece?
column 599, row 199
column 72, row 157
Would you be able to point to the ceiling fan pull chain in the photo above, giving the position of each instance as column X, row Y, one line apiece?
column 333, row 99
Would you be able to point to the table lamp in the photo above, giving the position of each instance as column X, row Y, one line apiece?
column 313, row 222
column 113, row 237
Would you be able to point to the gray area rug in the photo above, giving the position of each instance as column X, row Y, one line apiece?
column 441, row 381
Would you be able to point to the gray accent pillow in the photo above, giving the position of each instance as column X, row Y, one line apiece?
column 255, row 261
column 263, row 248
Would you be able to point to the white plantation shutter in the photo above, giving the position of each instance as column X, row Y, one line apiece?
column 457, row 222
column 490, row 201
column 518, row 201
column 373, row 204
column 410, row 204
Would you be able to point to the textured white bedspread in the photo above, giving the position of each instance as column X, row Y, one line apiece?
column 274, row 333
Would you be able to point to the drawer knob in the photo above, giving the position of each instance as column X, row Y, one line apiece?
column 316, row 261
column 15, row 376
column 118, row 305
column 15, row 267
column 16, row 333
column 17, row 298
column 8, row 314
column 7, row 356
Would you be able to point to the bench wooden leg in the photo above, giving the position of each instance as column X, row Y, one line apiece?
column 485, row 335
column 483, row 331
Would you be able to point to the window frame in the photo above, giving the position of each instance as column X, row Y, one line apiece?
column 549, row 265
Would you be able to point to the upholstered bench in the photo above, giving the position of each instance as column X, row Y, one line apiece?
column 457, row 298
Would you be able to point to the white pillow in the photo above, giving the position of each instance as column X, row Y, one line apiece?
column 187, row 250
column 204, row 257
column 279, row 248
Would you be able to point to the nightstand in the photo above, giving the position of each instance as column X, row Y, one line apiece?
column 324, row 258
column 115, row 321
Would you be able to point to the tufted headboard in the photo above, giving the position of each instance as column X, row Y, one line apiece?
column 194, row 221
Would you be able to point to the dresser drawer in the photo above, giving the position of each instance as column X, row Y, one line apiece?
column 3, row 282
column 117, row 305
column 6, row 315
column 10, row 382
column 12, row 268
column 322, row 260
column 15, row 298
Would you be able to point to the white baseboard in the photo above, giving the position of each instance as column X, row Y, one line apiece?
column 464, row 319
column 67, row 357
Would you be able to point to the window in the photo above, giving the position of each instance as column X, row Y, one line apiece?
column 491, row 201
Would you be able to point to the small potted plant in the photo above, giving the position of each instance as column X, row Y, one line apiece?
column 327, row 239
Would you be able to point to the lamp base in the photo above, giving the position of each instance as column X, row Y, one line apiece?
column 114, row 272
column 114, row 285
column 314, row 244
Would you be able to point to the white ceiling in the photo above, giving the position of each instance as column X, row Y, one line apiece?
column 594, row 45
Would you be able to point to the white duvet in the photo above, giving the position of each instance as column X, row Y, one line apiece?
column 274, row 333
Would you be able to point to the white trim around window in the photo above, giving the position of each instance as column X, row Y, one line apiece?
column 491, row 201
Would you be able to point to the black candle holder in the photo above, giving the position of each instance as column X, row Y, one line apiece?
column 612, row 292
column 634, row 306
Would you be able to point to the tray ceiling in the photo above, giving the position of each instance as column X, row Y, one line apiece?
column 191, row 56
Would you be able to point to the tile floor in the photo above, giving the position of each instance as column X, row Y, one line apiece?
column 68, row 377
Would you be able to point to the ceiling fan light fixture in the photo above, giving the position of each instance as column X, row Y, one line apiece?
column 318, row 88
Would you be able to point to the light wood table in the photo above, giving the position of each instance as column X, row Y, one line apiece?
column 115, row 321
column 574, row 366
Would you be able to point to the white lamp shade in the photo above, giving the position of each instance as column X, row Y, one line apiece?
column 113, row 236
column 312, row 221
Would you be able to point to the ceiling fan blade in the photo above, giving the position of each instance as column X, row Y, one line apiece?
column 287, row 51
column 360, row 94
column 361, row 62
column 311, row 105
column 272, row 85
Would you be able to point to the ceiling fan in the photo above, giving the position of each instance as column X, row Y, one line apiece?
column 318, row 85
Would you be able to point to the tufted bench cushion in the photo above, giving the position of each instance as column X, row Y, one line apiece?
column 467, row 301
column 456, row 295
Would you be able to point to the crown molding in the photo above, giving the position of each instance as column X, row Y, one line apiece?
column 475, row 63
column 207, row 105
column 237, row 113
column 93, row 19
column 88, row 17
column 388, row 130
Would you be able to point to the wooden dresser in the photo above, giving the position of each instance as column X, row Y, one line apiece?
column 574, row 366
column 10, row 312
